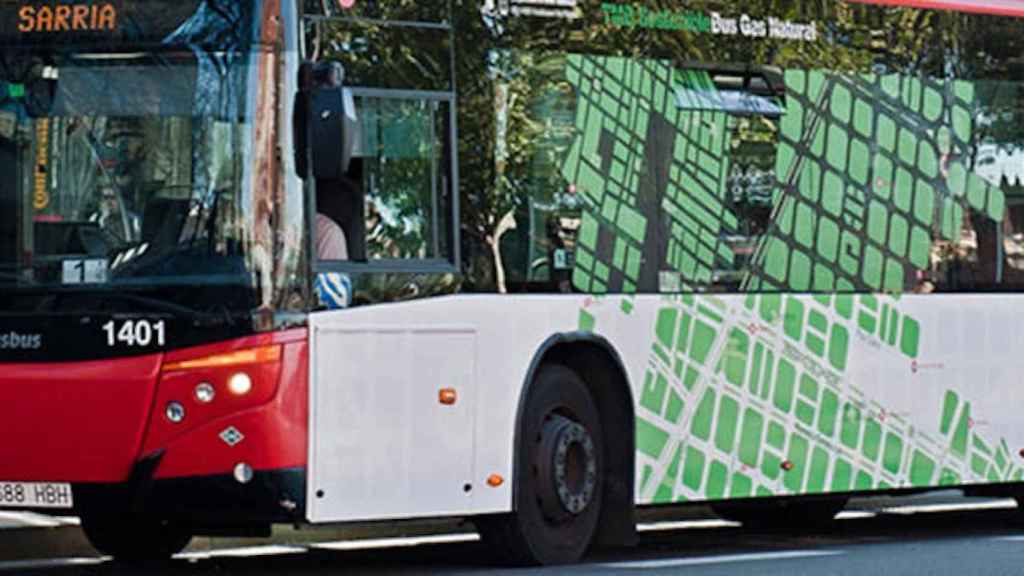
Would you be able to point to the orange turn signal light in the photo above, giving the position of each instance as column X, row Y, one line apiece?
column 261, row 355
column 448, row 396
column 495, row 480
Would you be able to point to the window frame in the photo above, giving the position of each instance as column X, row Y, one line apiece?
column 448, row 263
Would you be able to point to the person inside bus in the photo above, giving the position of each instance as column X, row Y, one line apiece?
column 124, row 155
column 330, row 239
column 340, row 220
column 112, row 216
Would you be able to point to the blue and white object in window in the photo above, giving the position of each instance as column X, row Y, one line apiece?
column 333, row 290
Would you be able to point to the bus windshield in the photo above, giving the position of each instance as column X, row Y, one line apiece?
column 124, row 169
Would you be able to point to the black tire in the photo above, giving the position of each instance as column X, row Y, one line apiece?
column 781, row 514
column 559, row 484
column 135, row 539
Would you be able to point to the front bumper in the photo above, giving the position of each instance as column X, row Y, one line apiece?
column 270, row 497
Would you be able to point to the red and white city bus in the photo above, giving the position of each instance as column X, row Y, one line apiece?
column 534, row 263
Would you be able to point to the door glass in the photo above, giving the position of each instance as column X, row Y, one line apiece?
column 405, row 176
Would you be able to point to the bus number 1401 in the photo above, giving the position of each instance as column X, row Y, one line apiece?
column 136, row 333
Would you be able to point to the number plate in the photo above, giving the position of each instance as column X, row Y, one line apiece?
column 35, row 495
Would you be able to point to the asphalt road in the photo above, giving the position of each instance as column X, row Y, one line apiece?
column 892, row 542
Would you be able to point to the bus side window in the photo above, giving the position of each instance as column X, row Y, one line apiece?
column 988, row 256
column 983, row 249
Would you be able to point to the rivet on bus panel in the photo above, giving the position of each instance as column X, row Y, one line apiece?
column 495, row 480
column 448, row 396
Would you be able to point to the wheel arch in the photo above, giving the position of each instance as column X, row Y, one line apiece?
column 600, row 367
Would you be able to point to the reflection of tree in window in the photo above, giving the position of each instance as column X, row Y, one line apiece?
column 403, row 158
column 752, row 177
column 751, row 185
column 989, row 254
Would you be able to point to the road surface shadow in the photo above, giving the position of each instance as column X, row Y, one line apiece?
column 474, row 557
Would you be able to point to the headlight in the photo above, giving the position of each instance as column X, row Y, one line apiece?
column 175, row 412
column 240, row 384
column 205, row 393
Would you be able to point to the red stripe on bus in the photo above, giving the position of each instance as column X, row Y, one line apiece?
column 999, row 8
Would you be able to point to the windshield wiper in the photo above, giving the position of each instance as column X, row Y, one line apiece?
column 198, row 317
column 99, row 302
column 16, row 276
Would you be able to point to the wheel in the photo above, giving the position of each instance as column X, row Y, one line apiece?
column 783, row 514
column 559, row 484
column 135, row 539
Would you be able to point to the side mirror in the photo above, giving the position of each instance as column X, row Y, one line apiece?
column 325, row 122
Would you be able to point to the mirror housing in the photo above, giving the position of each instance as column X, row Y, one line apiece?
column 332, row 135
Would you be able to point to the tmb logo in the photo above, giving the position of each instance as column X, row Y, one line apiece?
column 16, row 341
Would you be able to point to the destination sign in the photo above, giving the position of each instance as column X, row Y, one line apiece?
column 116, row 22
column 67, row 18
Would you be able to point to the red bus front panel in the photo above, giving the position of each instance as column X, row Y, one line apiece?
column 75, row 422
column 91, row 422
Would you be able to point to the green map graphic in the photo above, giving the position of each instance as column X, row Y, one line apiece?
column 748, row 395
column 869, row 168
column 610, row 162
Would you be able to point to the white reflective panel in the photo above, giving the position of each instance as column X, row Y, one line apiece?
column 383, row 444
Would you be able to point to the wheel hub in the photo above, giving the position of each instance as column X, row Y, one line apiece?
column 568, row 468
